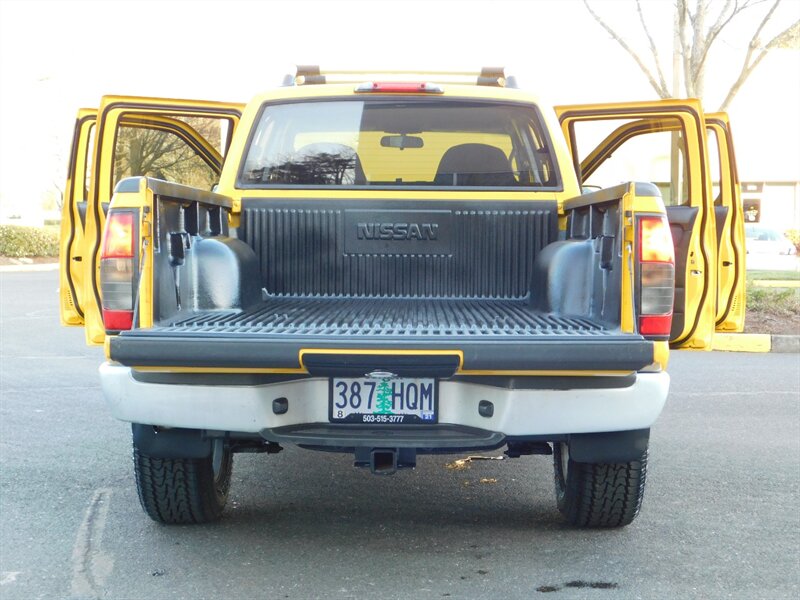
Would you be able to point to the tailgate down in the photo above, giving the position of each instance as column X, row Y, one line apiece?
column 305, row 333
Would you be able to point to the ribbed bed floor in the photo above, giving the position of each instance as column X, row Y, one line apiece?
column 386, row 317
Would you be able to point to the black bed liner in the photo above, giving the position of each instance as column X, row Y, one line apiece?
column 504, row 335
column 392, row 317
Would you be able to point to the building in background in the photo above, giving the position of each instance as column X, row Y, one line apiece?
column 772, row 203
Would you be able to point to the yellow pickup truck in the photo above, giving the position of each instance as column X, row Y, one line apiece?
column 394, row 264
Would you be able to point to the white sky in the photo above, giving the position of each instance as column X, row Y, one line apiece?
column 58, row 56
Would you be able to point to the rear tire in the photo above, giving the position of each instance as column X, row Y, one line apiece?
column 598, row 495
column 178, row 491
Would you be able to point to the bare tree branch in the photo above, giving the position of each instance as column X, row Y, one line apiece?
column 689, row 12
column 697, row 73
column 718, row 26
column 755, row 39
column 721, row 20
column 59, row 186
column 693, row 39
column 662, row 92
column 688, row 82
column 789, row 38
column 753, row 3
column 751, row 63
column 662, row 81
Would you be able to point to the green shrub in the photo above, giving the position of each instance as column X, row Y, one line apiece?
column 18, row 241
column 778, row 302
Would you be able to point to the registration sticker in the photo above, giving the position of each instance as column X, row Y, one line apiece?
column 383, row 400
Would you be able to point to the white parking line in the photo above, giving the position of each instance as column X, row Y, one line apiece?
column 28, row 268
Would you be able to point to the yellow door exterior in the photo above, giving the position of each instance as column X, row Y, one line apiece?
column 156, row 117
column 691, row 218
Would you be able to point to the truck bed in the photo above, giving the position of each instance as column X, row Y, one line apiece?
column 337, row 293
column 387, row 317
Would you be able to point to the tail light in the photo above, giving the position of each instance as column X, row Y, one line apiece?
column 656, row 277
column 400, row 87
column 118, row 269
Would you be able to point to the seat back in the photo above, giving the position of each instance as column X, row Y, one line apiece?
column 474, row 165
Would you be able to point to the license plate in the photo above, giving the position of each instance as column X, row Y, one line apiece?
column 383, row 400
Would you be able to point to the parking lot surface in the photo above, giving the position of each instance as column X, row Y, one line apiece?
column 720, row 517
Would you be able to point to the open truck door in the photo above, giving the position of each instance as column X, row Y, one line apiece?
column 730, row 226
column 73, row 219
column 182, row 141
column 663, row 142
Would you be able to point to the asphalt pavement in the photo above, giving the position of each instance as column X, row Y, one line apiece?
column 720, row 518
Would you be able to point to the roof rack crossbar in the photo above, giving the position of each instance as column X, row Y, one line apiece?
column 313, row 74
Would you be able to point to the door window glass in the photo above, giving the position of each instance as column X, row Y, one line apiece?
column 614, row 151
column 87, row 175
column 714, row 164
column 183, row 150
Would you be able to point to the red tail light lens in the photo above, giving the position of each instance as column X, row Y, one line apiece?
column 656, row 277
column 117, row 270
column 117, row 320
column 655, row 240
column 118, row 236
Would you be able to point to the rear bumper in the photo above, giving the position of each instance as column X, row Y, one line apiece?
column 248, row 408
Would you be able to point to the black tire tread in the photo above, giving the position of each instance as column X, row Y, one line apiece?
column 603, row 495
column 180, row 491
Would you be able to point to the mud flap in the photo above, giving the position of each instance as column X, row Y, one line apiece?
column 170, row 443
column 610, row 447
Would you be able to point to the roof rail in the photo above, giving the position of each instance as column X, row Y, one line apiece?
column 314, row 75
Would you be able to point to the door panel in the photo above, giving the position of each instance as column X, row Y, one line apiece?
column 682, row 221
column 721, row 218
column 73, row 220
column 609, row 139
column 178, row 140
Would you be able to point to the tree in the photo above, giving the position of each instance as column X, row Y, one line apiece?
column 697, row 27
column 58, row 194
column 154, row 152
column 383, row 399
column 316, row 168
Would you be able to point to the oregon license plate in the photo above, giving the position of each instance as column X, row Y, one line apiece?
column 383, row 400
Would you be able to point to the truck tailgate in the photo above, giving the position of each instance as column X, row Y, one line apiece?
column 485, row 334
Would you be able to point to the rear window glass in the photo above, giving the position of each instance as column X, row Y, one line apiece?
column 382, row 142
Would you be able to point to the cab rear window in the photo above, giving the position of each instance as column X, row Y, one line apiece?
column 391, row 142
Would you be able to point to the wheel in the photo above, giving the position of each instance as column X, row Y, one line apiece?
column 598, row 495
column 184, row 490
